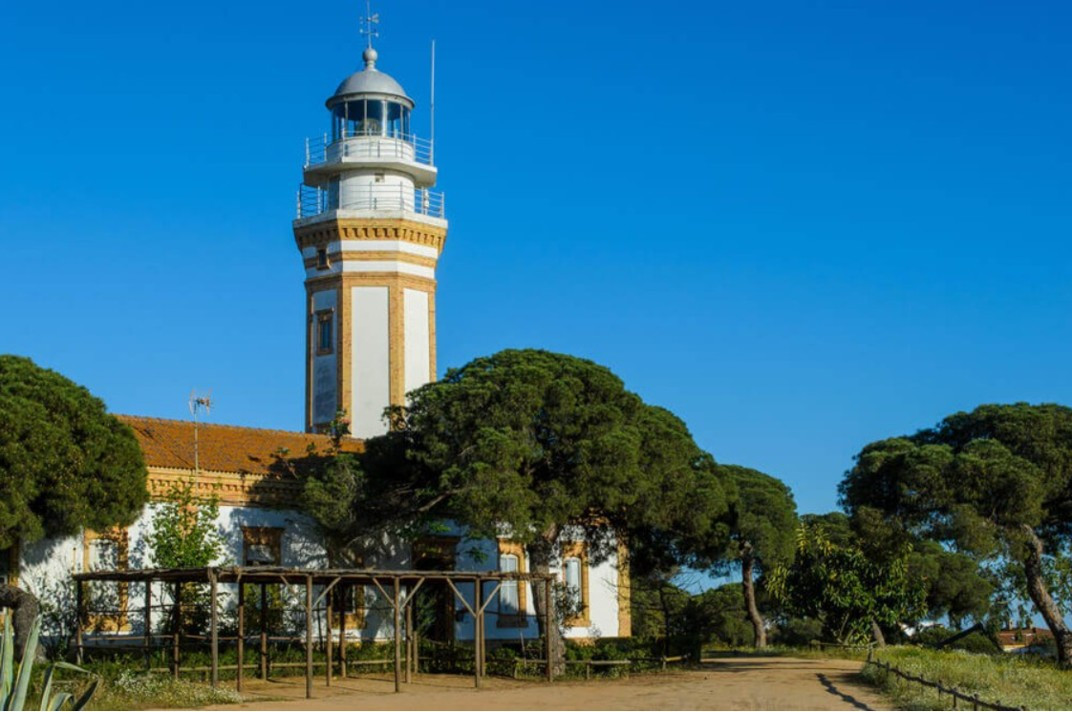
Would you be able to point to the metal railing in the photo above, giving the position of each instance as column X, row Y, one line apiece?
column 406, row 147
column 315, row 201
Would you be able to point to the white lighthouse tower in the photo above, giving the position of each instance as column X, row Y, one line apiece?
column 370, row 231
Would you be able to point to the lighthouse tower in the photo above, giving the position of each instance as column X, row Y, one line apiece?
column 370, row 231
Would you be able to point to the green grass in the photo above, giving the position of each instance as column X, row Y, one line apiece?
column 138, row 691
column 1009, row 680
column 774, row 651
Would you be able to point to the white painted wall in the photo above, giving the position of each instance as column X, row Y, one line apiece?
column 377, row 266
column 338, row 246
column 417, row 338
column 370, row 360
column 45, row 567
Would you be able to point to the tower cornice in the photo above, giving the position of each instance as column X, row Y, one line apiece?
column 320, row 233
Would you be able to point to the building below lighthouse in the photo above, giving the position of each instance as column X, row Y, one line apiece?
column 370, row 228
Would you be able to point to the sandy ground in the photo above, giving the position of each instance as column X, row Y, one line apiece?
column 728, row 684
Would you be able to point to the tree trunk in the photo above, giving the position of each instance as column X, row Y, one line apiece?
column 665, row 605
column 876, row 632
column 24, row 609
column 1040, row 596
column 747, row 564
column 540, row 555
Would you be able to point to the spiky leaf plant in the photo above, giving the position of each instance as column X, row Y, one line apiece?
column 15, row 679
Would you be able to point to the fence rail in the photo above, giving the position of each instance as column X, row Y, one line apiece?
column 955, row 694
column 662, row 661
column 406, row 147
column 314, row 201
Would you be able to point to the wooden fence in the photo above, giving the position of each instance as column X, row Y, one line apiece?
column 954, row 694
column 662, row 662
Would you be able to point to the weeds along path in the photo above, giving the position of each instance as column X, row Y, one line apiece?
column 730, row 683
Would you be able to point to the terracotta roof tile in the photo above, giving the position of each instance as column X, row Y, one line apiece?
column 227, row 448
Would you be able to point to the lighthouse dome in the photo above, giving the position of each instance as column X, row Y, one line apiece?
column 369, row 81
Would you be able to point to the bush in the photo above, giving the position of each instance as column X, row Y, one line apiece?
column 797, row 631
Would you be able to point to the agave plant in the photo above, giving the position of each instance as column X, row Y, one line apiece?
column 15, row 679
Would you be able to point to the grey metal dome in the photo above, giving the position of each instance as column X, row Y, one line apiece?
column 369, row 81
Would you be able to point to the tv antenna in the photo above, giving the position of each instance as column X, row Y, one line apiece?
column 369, row 22
column 198, row 403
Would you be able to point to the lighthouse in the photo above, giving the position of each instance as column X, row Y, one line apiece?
column 370, row 230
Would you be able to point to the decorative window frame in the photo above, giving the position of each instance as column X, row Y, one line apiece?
column 349, row 600
column 322, row 317
column 323, row 260
column 118, row 622
column 270, row 537
column 520, row 618
column 578, row 550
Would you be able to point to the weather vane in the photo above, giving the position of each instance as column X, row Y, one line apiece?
column 369, row 22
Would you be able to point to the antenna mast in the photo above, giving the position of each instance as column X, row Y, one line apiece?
column 431, row 112
column 197, row 403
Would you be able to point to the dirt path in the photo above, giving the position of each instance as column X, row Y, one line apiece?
column 730, row 684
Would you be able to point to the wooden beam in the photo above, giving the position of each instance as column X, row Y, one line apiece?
column 80, row 605
column 409, row 643
column 176, row 630
column 477, row 633
column 308, row 637
column 328, row 641
column 264, row 631
column 241, row 643
column 342, row 632
column 547, row 628
column 214, row 628
column 148, row 625
column 398, row 637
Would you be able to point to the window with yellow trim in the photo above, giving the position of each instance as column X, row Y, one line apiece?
column 513, row 603
column 575, row 579
column 107, row 600
column 262, row 546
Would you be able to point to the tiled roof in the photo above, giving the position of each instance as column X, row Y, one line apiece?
column 228, row 448
column 1023, row 636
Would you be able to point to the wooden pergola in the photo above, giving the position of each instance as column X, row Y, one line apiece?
column 389, row 583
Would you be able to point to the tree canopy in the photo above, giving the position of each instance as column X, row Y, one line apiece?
column 762, row 519
column 996, row 482
column 833, row 580
column 65, row 463
column 527, row 444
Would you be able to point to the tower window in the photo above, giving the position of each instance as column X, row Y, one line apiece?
column 325, row 339
column 322, row 261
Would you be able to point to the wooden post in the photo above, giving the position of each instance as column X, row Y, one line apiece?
column 148, row 625
column 342, row 631
column 547, row 628
column 398, row 640
column 264, row 631
column 176, row 627
column 409, row 639
column 328, row 640
column 80, row 604
column 241, row 643
column 416, row 650
column 308, row 637
column 477, row 634
column 214, row 628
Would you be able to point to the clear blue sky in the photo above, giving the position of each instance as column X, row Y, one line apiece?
column 801, row 226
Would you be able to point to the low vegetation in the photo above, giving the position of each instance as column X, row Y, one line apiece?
column 1015, row 681
column 140, row 690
